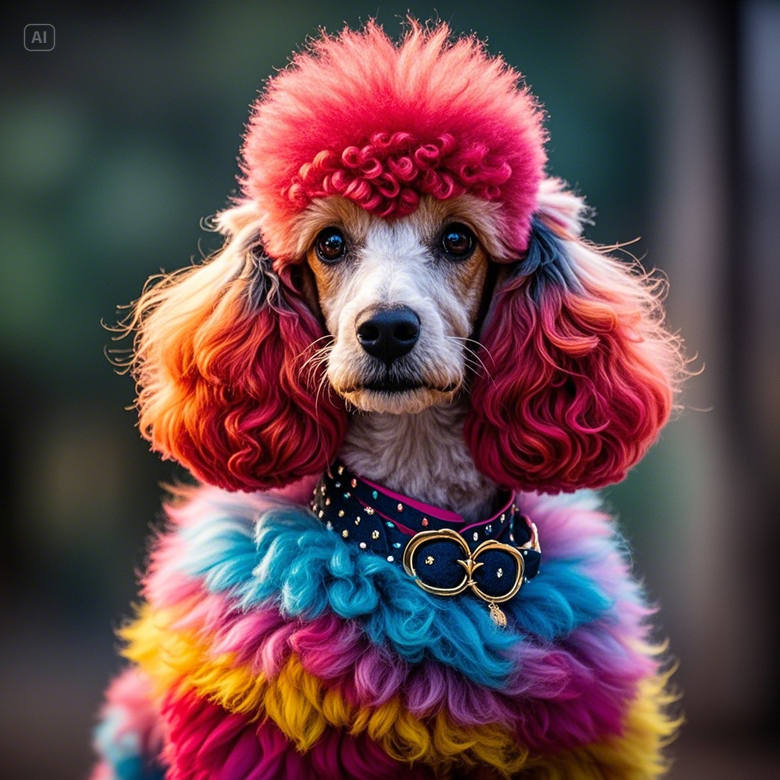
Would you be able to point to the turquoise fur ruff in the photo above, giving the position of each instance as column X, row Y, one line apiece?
column 286, row 556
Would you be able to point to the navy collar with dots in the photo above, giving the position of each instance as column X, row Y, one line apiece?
column 445, row 554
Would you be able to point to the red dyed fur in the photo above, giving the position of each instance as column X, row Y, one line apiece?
column 223, row 388
column 580, row 375
column 202, row 736
column 381, row 123
column 578, row 384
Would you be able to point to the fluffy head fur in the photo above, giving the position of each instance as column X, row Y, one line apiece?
column 381, row 123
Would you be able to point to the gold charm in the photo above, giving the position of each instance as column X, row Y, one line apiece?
column 499, row 618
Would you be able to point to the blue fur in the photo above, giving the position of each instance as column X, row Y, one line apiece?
column 547, row 262
column 121, row 750
column 287, row 557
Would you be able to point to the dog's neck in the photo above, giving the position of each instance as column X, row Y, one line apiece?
column 423, row 456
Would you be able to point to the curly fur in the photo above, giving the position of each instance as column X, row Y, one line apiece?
column 219, row 360
column 385, row 123
column 580, row 371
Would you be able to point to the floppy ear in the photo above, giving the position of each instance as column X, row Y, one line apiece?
column 219, row 363
column 580, row 371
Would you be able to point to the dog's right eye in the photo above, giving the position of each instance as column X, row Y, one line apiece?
column 331, row 246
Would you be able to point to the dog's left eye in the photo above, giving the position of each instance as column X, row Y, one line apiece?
column 458, row 241
column 330, row 245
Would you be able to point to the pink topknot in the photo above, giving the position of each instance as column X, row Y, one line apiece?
column 381, row 123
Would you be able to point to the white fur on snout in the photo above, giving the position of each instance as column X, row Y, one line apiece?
column 396, row 267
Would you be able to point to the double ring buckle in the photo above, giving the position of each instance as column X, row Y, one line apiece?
column 470, row 565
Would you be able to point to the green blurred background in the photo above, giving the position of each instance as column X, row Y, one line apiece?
column 115, row 145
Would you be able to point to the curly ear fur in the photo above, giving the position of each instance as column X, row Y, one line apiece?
column 580, row 372
column 219, row 363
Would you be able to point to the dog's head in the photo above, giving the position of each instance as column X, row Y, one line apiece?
column 398, row 247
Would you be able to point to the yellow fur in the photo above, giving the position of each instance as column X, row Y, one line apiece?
column 302, row 708
column 633, row 755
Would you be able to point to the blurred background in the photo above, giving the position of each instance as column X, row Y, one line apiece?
column 114, row 145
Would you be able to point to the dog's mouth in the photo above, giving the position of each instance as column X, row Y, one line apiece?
column 395, row 386
column 396, row 394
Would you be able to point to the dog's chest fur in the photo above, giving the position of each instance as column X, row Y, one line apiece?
column 421, row 455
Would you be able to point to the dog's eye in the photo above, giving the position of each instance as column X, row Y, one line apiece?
column 457, row 241
column 331, row 245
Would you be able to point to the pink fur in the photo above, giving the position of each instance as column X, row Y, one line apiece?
column 580, row 374
column 206, row 743
column 380, row 124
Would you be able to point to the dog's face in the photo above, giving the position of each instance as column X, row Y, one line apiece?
column 400, row 299
column 573, row 375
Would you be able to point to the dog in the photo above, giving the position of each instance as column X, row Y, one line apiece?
column 398, row 383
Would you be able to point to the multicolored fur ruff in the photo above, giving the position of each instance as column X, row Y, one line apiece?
column 267, row 647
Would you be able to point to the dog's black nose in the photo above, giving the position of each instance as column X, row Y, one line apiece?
column 389, row 334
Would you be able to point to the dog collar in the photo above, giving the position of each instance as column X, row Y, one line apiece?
column 446, row 555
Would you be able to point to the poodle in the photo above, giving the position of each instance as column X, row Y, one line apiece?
column 397, row 385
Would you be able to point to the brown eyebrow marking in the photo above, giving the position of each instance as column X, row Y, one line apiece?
column 326, row 277
column 465, row 279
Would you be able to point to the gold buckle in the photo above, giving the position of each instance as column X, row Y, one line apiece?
column 470, row 564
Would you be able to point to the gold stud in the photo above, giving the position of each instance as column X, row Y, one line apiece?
column 345, row 533
column 375, row 534
column 357, row 520
column 321, row 513
column 369, row 510
column 429, row 560
column 341, row 513
column 327, row 501
column 500, row 573
column 341, row 469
